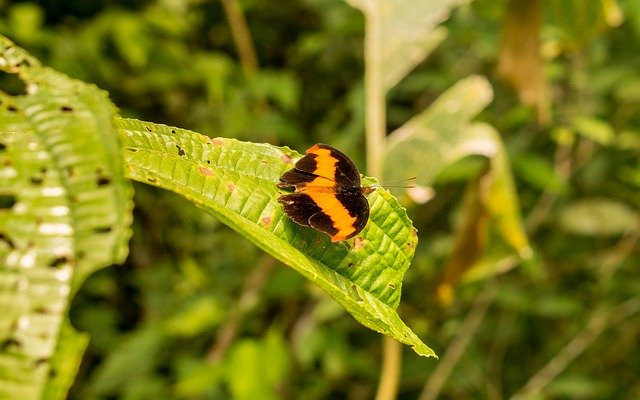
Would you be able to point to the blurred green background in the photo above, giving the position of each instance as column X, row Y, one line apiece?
column 197, row 312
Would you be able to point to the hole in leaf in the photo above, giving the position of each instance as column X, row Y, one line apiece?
column 180, row 151
column 38, row 179
column 12, row 108
column 41, row 310
column 5, row 238
column 40, row 361
column 148, row 129
column 8, row 343
column 59, row 261
column 102, row 180
column 102, row 229
column 131, row 149
column 13, row 85
column 66, row 109
column 7, row 201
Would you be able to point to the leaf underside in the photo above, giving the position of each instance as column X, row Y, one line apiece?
column 65, row 213
column 444, row 134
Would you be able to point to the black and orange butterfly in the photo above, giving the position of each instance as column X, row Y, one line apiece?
column 328, row 196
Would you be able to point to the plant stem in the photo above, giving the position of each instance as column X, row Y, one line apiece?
column 241, row 35
column 390, row 373
column 599, row 321
column 375, row 118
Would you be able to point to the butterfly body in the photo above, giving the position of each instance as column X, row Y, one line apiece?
column 328, row 194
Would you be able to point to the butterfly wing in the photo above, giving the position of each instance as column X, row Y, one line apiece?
column 328, row 196
column 328, row 212
column 322, row 166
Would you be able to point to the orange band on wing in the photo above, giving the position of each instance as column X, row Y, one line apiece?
column 342, row 220
column 325, row 163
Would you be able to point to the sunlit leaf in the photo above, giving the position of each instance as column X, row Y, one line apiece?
column 520, row 62
column 444, row 134
column 595, row 129
column 236, row 182
column 538, row 172
column 66, row 213
column 598, row 217
column 403, row 32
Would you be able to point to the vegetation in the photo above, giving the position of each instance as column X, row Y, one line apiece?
column 144, row 261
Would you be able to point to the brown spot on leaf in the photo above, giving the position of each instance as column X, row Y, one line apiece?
column 286, row 159
column 217, row 142
column 205, row 171
column 358, row 243
column 266, row 221
column 231, row 187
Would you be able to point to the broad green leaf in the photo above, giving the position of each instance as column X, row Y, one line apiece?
column 236, row 182
column 404, row 32
column 442, row 135
column 598, row 217
column 581, row 20
column 132, row 359
column 595, row 129
column 538, row 172
column 255, row 369
column 66, row 213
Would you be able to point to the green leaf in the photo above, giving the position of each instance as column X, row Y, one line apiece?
column 406, row 32
column 598, row 217
column 442, row 135
column 595, row 129
column 539, row 173
column 255, row 369
column 236, row 182
column 66, row 213
column 132, row 360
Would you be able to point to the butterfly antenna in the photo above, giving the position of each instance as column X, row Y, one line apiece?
column 387, row 183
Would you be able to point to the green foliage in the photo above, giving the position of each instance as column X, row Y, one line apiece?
column 197, row 311
column 235, row 182
column 66, row 216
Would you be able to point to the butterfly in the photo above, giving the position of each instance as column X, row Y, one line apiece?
column 328, row 194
